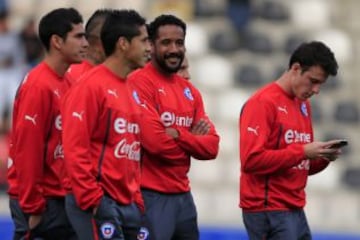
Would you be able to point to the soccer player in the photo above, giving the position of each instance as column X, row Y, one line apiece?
column 174, row 128
column 36, row 171
column 101, row 135
column 277, row 147
column 81, row 220
column 95, row 54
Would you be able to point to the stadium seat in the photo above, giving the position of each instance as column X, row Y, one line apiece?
column 206, row 172
column 317, row 114
column 351, row 177
column 347, row 112
column 225, row 41
column 258, row 42
column 196, row 40
column 338, row 41
column 248, row 75
column 292, row 42
column 309, row 14
column 230, row 104
column 209, row 8
column 332, row 83
column 213, row 71
column 273, row 10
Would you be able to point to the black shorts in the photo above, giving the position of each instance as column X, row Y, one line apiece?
column 54, row 223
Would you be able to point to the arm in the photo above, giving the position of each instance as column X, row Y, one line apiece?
column 33, row 124
column 202, row 146
column 153, row 136
column 259, row 153
column 80, row 111
column 317, row 165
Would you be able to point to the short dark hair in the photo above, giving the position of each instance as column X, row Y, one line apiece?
column 163, row 20
column 315, row 53
column 59, row 22
column 96, row 21
column 120, row 23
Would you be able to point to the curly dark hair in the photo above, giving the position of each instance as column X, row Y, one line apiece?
column 163, row 20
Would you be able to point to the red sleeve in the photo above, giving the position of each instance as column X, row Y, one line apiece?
column 80, row 111
column 258, row 153
column 318, row 165
column 153, row 136
column 202, row 147
column 32, row 128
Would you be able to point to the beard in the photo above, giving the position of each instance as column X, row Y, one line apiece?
column 161, row 61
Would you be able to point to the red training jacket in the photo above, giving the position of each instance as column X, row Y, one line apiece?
column 77, row 70
column 36, row 155
column 274, row 169
column 171, row 102
column 101, row 139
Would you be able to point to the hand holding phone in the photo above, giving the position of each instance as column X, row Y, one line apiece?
column 341, row 143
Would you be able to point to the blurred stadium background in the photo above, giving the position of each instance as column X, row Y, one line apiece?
column 235, row 46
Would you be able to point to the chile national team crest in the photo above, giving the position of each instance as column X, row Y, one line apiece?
column 188, row 94
column 107, row 230
column 304, row 109
column 136, row 97
column 143, row 234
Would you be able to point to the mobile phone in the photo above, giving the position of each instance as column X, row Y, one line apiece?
column 340, row 144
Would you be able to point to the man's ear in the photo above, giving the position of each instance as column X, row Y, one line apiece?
column 122, row 43
column 56, row 41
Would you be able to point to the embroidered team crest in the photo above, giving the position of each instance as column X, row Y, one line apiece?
column 107, row 230
column 143, row 234
column 304, row 110
column 188, row 94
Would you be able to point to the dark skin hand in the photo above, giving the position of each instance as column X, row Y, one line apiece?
column 202, row 127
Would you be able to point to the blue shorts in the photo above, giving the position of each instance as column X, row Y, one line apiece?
column 83, row 222
column 170, row 216
column 277, row 225
column 111, row 221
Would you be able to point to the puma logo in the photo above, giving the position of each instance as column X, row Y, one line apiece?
column 162, row 90
column 56, row 92
column 78, row 115
column 31, row 119
column 283, row 109
column 112, row 92
column 253, row 130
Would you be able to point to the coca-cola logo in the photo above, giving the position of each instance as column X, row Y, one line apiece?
column 59, row 151
column 128, row 150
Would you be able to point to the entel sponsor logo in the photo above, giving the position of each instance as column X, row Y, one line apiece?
column 293, row 136
column 58, row 122
column 121, row 126
column 168, row 119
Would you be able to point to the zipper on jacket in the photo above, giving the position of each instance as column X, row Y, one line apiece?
column 101, row 158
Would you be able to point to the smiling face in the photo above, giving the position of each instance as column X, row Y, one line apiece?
column 306, row 83
column 168, row 49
